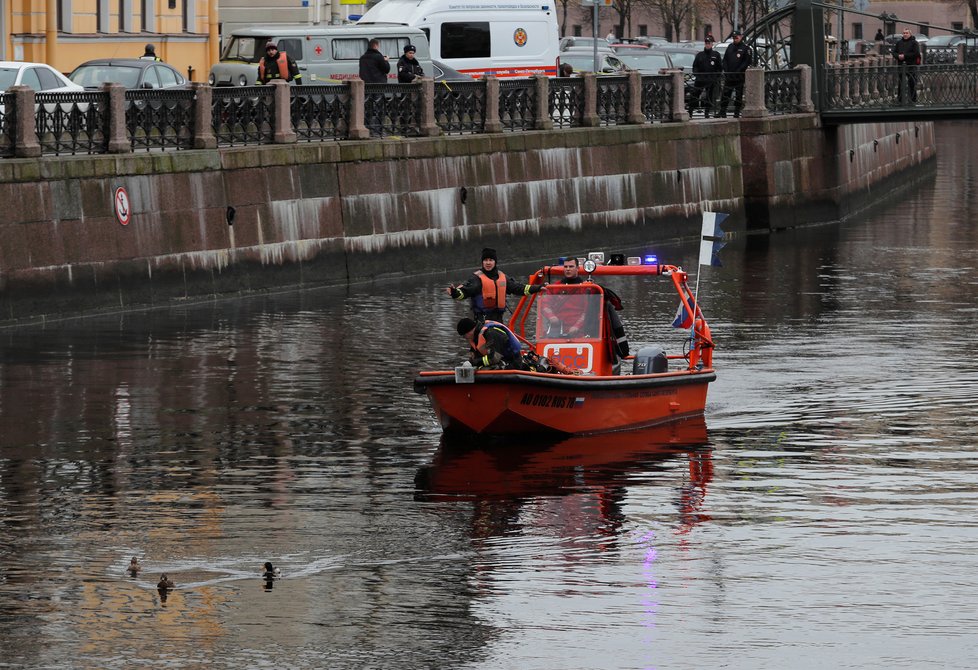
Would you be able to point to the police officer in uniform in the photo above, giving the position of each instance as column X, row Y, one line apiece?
column 408, row 67
column 707, row 66
column 736, row 60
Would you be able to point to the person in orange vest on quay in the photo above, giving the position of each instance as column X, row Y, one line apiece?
column 277, row 64
column 487, row 289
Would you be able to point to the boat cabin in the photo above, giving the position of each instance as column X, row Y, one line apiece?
column 573, row 329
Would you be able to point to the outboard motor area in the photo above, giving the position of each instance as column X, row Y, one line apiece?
column 649, row 360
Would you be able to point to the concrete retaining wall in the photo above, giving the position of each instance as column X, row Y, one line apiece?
column 332, row 213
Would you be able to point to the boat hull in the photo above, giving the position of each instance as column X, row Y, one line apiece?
column 502, row 402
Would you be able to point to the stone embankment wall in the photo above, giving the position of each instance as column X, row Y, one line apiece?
column 331, row 213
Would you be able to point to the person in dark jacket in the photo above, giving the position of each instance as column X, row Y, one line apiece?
column 707, row 67
column 374, row 65
column 408, row 68
column 492, row 344
column 277, row 64
column 487, row 289
column 736, row 60
column 907, row 54
column 149, row 53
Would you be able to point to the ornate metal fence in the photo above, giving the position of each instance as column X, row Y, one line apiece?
column 701, row 93
column 243, row 115
column 321, row 112
column 613, row 100
column 657, row 94
column 160, row 119
column 566, row 102
column 782, row 91
column 7, row 122
column 393, row 109
column 71, row 123
column 517, row 103
column 460, row 107
column 889, row 87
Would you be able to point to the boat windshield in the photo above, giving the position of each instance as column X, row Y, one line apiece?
column 569, row 311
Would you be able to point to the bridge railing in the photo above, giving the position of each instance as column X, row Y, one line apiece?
column 783, row 91
column 876, row 83
column 114, row 120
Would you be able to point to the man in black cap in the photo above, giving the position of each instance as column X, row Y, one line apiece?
column 707, row 66
column 487, row 289
column 736, row 60
column 277, row 64
column 492, row 344
column 408, row 68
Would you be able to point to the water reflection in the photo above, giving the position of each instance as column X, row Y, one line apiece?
column 596, row 471
column 836, row 485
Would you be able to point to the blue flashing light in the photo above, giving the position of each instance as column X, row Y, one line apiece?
column 650, row 259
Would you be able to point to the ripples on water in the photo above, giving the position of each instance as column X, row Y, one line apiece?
column 826, row 519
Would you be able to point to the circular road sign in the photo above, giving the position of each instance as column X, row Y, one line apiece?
column 122, row 210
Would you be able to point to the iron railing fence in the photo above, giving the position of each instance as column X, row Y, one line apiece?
column 321, row 112
column 8, row 121
column 243, row 115
column 782, row 91
column 613, row 99
column 161, row 118
column 657, row 97
column 460, row 107
column 517, row 103
column 701, row 93
column 392, row 109
column 897, row 86
column 71, row 123
column 566, row 102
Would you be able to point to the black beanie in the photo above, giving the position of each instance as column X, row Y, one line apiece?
column 489, row 253
column 465, row 326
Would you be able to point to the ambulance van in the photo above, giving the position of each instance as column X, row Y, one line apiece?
column 323, row 54
column 507, row 39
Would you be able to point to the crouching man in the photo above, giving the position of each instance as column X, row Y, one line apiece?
column 492, row 344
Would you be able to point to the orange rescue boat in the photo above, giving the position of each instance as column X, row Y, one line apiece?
column 596, row 390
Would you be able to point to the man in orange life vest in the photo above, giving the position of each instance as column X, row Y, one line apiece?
column 277, row 64
column 492, row 344
column 487, row 289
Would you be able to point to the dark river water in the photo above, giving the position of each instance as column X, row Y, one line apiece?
column 824, row 516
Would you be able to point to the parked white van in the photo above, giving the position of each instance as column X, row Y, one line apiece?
column 509, row 39
column 323, row 54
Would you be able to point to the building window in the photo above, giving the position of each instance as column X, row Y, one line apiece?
column 925, row 29
column 669, row 33
column 102, row 16
column 957, row 25
column 857, row 31
column 576, row 31
column 643, row 29
column 147, row 16
column 707, row 30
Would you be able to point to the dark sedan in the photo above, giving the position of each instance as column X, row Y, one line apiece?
column 130, row 72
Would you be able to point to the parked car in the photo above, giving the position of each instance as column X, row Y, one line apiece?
column 583, row 61
column 130, row 72
column 649, row 61
column 42, row 78
column 680, row 57
column 39, row 76
column 441, row 72
column 583, row 42
column 943, row 48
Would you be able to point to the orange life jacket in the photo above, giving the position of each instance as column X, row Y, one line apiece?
column 283, row 67
column 493, row 292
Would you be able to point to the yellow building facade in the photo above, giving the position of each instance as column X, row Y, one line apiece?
column 65, row 33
